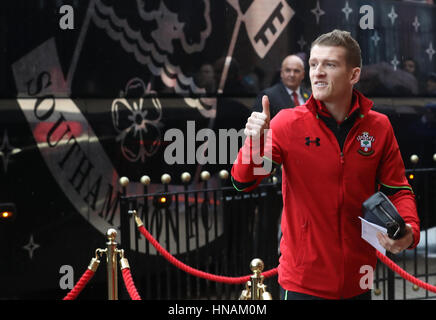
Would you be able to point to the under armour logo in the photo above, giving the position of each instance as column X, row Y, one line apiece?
column 316, row 141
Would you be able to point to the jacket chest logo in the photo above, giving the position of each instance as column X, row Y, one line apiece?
column 366, row 144
column 315, row 141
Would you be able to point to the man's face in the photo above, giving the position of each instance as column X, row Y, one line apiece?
column 292, row 72
column 330, row 76
column 431, row 86
column 409, row 66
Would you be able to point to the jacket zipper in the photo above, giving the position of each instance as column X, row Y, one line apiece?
column 341, row 203
column 341, row 195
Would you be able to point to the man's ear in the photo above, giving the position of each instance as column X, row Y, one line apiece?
column 355, row 75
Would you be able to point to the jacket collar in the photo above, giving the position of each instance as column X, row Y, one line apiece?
column 358, row 102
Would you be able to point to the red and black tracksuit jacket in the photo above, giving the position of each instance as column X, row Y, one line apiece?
column 328, row 171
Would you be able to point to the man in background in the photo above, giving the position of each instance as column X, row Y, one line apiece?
column 289, row 91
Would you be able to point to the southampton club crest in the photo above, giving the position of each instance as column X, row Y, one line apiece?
column 366, row 142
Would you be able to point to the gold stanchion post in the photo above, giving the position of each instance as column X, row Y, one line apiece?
column 255, row 289
column 256, row 266
column 112, row 271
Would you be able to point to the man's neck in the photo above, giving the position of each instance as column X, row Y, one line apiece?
column 339, row 109
column 290, row 90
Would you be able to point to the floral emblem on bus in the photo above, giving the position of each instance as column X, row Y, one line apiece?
column 137, row 121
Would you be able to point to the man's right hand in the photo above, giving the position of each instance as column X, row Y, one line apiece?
column 258, row 121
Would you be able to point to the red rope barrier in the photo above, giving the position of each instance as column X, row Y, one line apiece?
column 238, row 280
column 196, row 272
column 83, row 281
column 130, row 286
column 394, row 267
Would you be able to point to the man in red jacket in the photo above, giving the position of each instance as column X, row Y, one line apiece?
column 335, row 153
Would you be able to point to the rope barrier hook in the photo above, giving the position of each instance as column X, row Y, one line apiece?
column 138, row 221
column 93, row 265
column 124, row 263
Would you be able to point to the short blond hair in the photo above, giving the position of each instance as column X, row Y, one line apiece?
column 340, row 38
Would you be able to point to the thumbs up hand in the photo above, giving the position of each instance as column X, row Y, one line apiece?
column 258, row 121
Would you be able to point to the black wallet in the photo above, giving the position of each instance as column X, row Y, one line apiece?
column 378, row 209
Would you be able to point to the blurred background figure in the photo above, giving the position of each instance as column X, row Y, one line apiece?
column 431, row 84
column 234, row 86
column 205, row 78
column 382, row 79
column 253, row 80
column 410, row 65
